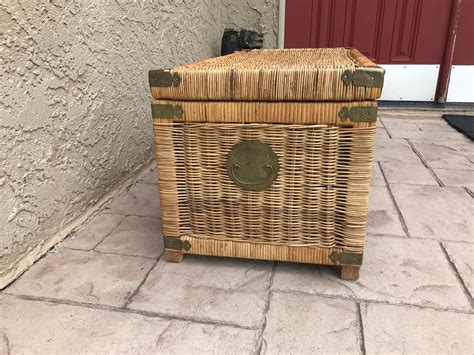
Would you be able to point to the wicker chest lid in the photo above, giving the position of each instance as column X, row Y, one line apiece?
column 319, row 74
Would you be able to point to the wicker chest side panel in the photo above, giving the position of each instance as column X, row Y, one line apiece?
column 319, row 199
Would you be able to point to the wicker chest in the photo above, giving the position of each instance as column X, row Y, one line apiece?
column 267, row 154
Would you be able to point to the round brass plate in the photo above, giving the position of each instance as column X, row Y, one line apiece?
column 252, row 165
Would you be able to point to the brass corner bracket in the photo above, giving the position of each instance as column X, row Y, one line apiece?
column 163, row 78
column 358, row 113
column 346, row 258
column 369, row 77
column 176, row 244
column 166, row 111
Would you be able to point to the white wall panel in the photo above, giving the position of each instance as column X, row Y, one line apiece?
column 461, row 84
column 413, row 82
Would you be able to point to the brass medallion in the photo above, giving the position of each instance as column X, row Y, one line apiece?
column 252, row 165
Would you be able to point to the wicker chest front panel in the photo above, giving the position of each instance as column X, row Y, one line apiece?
column 319, row 198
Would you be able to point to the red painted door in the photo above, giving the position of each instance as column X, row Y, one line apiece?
column 464, row 49
column 389, row 31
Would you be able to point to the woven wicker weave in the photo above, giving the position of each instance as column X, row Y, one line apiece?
column 272, row 75
column 315, row 211
column 318, row 199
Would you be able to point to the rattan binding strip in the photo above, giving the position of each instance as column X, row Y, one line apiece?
column 312, row 255
column 263, row 112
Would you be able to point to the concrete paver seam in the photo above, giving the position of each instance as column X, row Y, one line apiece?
column 386, row 129
column 370, row 301
column 132, row 295
column 470, row 193
column 425, row 163
column 109, row 253
column 103, row 307
column 113, row 230
column 417, row 238
column 133, row 215
column 260, row 339
column 361, row 334
column 399, row 212
column 458, row 275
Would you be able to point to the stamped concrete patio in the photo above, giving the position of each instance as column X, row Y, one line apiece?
column 105, row 289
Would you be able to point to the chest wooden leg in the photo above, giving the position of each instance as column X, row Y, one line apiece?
column 174, row 256
column 349, row 272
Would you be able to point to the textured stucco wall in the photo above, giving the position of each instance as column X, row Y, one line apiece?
column 258, row 15
column 74, row 102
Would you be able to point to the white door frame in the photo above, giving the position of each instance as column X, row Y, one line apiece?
column 281, row 23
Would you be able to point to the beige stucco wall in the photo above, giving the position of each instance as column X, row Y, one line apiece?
column 259, row 15
column 74, row 102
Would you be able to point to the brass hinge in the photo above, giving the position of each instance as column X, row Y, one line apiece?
column 163, row 78
column 176, row 244
column 359, row 113
column 370, row 77
column 166, row 111
column 346, row 258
